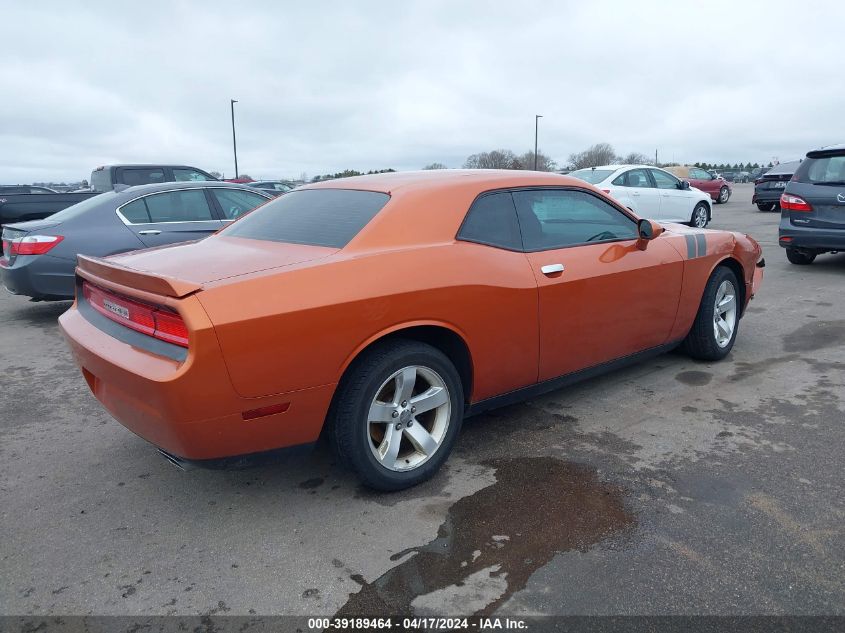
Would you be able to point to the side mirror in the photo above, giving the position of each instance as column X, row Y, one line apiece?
column 648, row 229
column 685, row 184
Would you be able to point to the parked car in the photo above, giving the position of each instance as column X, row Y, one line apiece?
column 321, row 312
column 273, row 187
column 716, row 186
column 10, row 189
column 756, row 173
column 737, row 176
column 812, row 218
column 39, row 257
column 29, row 205
column 106, row 177
column 651, row 192
column 769, row 187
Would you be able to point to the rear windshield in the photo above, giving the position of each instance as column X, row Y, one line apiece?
column 828, row 170
column 592, row 176
column 316, row 217
column 81, row 207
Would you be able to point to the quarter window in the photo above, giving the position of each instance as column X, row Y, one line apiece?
column 235, row 202
column 558, row 218
column 492, row 220
column 135, row 212
column 664, row 180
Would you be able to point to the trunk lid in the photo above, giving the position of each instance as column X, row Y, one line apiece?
column 182, row 269
column 20, row 229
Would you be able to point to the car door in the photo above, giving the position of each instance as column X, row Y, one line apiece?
column 168, row 217
column 676, row 202
column 602, row 293
column 636, row 190
column 701, row 179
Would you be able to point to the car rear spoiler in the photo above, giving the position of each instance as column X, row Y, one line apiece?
column 95, row 269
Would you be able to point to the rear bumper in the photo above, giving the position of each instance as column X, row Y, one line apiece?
column 188, row 408
column 810, row 238
column 39, row 277
column 766, row 196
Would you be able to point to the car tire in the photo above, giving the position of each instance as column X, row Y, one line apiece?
column 724, row 195
column 708, row 339
column 383, row 453
column 801, row 258
column 766, row 206
column 700, row 216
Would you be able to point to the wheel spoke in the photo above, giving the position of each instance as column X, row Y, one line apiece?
column 430, row 399
column 421, row 438
column 389, row 448
column 723, row 327
column 405, row 384
column 381, row 412
column 726, row 303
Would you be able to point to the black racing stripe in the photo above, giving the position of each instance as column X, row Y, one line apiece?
column 701, row 239
column 691, row 249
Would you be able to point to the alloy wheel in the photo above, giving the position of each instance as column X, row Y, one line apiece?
column 699, row 219
column 408, row 418
column 724, row 313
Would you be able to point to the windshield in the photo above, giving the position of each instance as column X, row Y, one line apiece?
column 828, row 170
column 592, row 176
column 101, row 180
column 81, row 207
column 316, row 217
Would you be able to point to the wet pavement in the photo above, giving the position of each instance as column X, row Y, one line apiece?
column 670, row 487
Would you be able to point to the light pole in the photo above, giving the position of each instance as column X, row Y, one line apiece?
column 537, row 118
column 234, row 142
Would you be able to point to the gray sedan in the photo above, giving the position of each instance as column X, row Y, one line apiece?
column 39, row 257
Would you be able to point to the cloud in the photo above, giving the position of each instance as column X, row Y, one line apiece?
column 384, row 84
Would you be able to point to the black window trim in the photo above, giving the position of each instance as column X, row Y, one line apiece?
column 626, row 212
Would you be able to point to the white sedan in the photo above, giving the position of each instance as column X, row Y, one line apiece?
column 651, row 193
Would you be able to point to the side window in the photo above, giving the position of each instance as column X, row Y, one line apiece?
column 187, row 175
column 558, row 218
column 178, row 206
column 492, row 220
column 235, row 202
column 135, row 212
column 699, row 174
column 133, row 177
column 636, row 178
column 664, row 180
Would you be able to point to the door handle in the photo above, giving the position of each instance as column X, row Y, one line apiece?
column 635, row 193
column 149, row 232
column 551, row 269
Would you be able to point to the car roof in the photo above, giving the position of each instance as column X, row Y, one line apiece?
column 140, row 190
column 463, row 179
column 784, row 168
column 176, row 165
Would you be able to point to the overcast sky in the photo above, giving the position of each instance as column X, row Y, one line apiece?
column 325, row 86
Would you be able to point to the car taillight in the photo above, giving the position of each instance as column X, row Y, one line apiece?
column 33, row 244
column 794, row 203
column 156, row 321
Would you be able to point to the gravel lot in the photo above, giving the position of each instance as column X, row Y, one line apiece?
column 672, row 487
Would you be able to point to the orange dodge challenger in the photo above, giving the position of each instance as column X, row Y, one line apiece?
column 381, row 310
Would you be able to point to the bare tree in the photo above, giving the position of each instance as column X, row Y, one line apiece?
column 594, row 156
column 544, row 163
column 635, row 158
column 216, row 174
column 497, row 159
column 435, row 166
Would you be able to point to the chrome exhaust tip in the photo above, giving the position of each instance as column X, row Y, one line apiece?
column 180, row 463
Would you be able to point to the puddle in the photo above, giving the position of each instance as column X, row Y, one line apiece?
column 815, row 336
column 494, row 540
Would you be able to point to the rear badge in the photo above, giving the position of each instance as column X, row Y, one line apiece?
column 118, row 310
